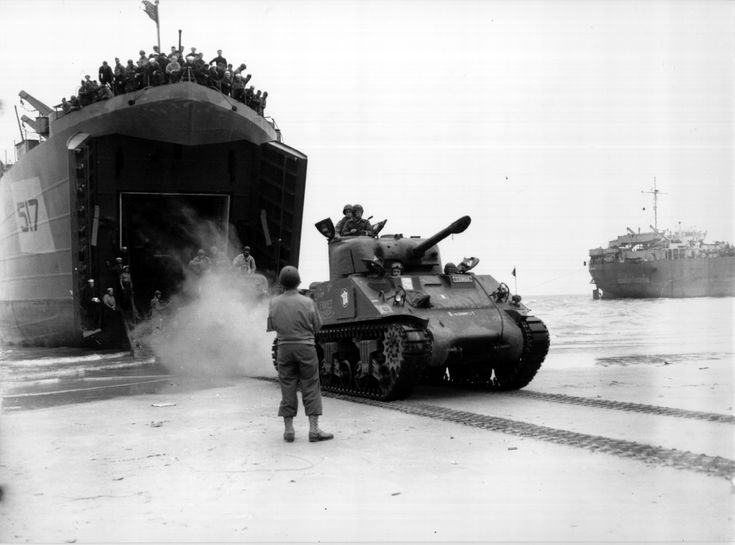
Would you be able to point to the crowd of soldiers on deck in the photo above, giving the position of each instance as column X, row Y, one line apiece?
column 158, row 68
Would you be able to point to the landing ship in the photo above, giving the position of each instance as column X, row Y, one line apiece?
column 137, row 175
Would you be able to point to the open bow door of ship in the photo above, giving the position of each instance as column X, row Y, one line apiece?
column 277, row 208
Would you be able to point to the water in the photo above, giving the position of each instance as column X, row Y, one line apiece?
column 584, row 333
column 636, row 331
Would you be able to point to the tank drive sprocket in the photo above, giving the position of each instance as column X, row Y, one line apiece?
column 378, row 360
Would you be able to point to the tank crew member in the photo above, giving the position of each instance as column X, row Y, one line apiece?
column 295, row 320
column 200, row 263
column 105, row 75
column 91, row 305
column 396, row 269
column 357, row 225
column 450, row 268
column 347, row 211
column 244, row 263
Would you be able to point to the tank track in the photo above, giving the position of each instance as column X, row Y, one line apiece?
column 535, row 347
column 392, row 359
column 508, row 377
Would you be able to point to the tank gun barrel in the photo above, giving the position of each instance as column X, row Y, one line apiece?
column 455, row 227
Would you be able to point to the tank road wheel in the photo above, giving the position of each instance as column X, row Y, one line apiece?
column 535, row 348
column 344, row 374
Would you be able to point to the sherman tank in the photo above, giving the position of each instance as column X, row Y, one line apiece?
column 392, row 316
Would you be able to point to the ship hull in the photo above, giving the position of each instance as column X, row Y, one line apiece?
column 150, row 176
column 691, row 277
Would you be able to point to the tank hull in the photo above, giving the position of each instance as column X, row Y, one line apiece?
column 689, row 277
column 140, row 171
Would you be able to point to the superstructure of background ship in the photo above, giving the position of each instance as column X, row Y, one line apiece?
column 138, row 175
column 662, row 263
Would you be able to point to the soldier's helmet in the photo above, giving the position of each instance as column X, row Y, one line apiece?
column 289, row 277
column 346, row 207
column 357, row 207
column 450, row 268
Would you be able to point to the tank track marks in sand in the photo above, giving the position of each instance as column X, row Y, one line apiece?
column 631, row 407
column 506, row 377
column 381, row 361
column 716, row 466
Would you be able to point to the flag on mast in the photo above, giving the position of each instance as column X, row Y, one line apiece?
column 151, row 9
column 514, row 271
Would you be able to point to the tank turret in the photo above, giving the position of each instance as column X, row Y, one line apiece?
column 386, row 327
column 371, row 255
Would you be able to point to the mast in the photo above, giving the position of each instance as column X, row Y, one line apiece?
column 655, row 193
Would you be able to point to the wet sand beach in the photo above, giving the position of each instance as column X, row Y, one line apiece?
column 203, row 460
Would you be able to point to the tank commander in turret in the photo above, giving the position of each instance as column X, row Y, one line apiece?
column 357, row 225
column 347, row 211
column 396, row 269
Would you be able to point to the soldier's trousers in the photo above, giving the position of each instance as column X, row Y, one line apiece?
column 298, row 362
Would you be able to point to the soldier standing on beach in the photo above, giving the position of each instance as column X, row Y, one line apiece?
column 295, row 320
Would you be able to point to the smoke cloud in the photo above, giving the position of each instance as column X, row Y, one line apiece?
column 215, row 326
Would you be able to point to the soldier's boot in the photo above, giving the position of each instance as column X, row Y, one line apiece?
column 289, row 434
column 315, row 434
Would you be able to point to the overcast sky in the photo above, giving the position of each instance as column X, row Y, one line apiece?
column 544, row 121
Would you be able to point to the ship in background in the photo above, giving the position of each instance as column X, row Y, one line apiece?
column 664, row 263
column 150, row 175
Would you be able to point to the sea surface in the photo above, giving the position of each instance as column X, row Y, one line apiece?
column 584, row 332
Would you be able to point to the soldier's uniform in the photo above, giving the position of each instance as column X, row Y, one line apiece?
column 355, row 227
column 296, row 321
